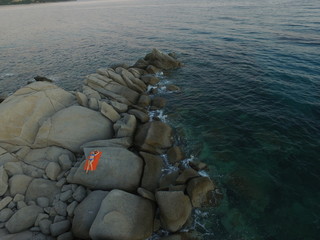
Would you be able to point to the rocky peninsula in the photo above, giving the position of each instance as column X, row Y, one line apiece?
column 46, row 135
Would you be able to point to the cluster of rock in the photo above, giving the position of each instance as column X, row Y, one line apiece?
column 46, row 133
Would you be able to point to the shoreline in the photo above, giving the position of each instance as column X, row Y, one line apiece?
column 111, row 114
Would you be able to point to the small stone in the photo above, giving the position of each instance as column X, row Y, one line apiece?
column 143, row 117
column 71, row 207
column 150, row 80
column 45, row 226
column 58, row 218
column 43, row 202
column 169, row 179
column 172, row 87
column 65, row 162
column 66, row 195
column 146, row 194
column 152, row 69
column 93, row 104
column 175, row 154
column 61, row 182
column 186, row 175
column 60, row 208
column 199, row 190
column 59, row 228
column 13, row 168
column 159, row 102
column 65, row 236
column 40, row 217
column 52, row 170
column 198, row 166
column 144, row 101
column 18, row 197
column 80, row 193
column 4, row 202
column 3, row 181
column 21, row 204
column 5, row 214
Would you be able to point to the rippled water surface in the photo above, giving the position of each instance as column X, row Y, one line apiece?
column 250, row 100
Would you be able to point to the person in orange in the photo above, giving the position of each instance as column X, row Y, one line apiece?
column 90, row 162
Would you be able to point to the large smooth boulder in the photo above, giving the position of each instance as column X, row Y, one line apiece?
column 153, row 137
column 23, row 112
column 152, row 171
column 72, row 127
column 123, row 216
column 118, row 168
column 41, row 188
column 23, row 219
column 175, row 209
column 86, row 212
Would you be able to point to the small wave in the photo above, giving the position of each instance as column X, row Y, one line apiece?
column 4, row 75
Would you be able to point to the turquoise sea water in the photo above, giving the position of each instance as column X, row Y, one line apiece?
column 250, row 100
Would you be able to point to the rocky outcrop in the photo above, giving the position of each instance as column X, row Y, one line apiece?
column 47, row 135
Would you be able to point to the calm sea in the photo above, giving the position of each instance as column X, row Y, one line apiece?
column 250, row 100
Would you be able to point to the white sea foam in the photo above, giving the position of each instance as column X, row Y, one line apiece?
column 159, row 114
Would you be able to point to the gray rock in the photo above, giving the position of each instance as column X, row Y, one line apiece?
column 53, row 169
column 40, row 217
column 5, row 201
column 5, row 214
column 152, row 171
column 41, row 188
column 158, row 102
column 146, row 194
column 65, row 161
column 152, row 69
column 43, row 202
column 93, row 104
column 60, row 208
column 82, row 99
column 123, row 216
column 71, row 207
column 72, row 127
column 90, row 93
column 175, row 154
column 3, row 181
column 85, row 214
column 18, row 197
column 66, row 195
column 161, row 60
column 168, row 179
column 153, row 137
column 65, row 236
column 79, row 194
column 172, row 87
column 26, row 218
column 186, row 175
column 143, row 117
column 175, row 209
column 119, row 107
column 45, row 226
column 125, row 126
column 26, row 235
column 19, row 184
column 118, row 168
column 21, row 204
column 144, row 101
column 59, row 228
column 150, row 79
column 199, row 190
column 13, row 168
column 109, row 112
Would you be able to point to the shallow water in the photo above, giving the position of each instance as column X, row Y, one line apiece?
column 250, row 100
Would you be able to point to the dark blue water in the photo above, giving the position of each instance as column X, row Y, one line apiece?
column 250, row 100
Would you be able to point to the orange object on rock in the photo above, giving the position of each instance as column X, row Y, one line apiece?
column 92, row 161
